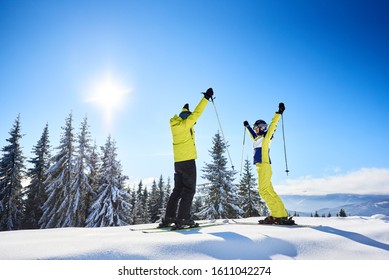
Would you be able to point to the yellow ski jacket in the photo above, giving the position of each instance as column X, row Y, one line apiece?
column 184, row 147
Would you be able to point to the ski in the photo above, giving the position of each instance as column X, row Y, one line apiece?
column 172, row 229
column 169, row 227
column 278, row 225
column 150, row 228
column 156, row 228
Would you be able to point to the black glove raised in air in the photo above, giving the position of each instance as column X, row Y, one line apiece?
column 281, row 108
column 208, row 94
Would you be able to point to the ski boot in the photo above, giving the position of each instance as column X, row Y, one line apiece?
column 269, row 220
column 287, row 221
column 166, row 222
column 184, row 223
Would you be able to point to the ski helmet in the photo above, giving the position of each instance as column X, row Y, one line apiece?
column 261, row 124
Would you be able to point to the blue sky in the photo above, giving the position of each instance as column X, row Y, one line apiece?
column 328, row 61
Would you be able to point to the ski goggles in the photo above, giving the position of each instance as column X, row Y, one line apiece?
column 260, row 126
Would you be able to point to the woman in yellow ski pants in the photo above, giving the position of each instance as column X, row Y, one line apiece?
column 262, row 136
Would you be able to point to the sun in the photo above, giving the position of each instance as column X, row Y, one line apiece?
column 109, row 95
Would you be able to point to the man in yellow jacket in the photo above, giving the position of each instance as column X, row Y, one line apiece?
column 262, row 136
column 184, row 149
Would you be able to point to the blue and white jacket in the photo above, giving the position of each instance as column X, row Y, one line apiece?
column 262, row 141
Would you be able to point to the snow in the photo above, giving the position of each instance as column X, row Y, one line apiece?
column 350, row 238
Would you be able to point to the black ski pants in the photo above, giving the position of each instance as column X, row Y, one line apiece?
column 183, row 191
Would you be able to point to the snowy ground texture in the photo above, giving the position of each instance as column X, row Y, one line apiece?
column 351, row 238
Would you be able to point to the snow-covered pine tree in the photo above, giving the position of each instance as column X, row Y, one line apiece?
column 60, row 176
column 196, row 207
column 145, row 215
column 139, row 207
column 162, row 197
column 154, row 202
column 112, row 207
column 221, row 200
column 250, row 201
column 80, row 188
column 94, row 178
column 134, row 205
column 35, row 192
column 198, row 200
column 166, row 192
column 12, row 171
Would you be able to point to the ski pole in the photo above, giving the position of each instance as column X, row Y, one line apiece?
column 244, row 140
column 283, row 136
column 221, row 129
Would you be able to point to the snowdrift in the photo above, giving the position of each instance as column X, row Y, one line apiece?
column 351, row 238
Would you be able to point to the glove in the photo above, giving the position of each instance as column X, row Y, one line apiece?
column 281, row 108
column 246, row 123
column 208, row 94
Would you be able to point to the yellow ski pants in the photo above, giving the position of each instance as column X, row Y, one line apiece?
column 266, row 191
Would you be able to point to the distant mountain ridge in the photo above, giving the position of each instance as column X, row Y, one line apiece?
column 363, row 209
column 353, row 204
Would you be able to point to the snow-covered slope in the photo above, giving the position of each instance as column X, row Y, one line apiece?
column 351, row 238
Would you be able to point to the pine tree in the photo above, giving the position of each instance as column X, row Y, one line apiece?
column 12, row 171
column 60, row 176
column 198, row 200
column 166, row 191
column 197, row 206
column 161, row 198
column 221, row 200
column 80, row 188
column 139, row 207
column 93, row 177
column 145, row 217
column 112, row 206
column 134, row 206
column 154, row 205
column 250, row 201
column 342, row 213
column 35, row 191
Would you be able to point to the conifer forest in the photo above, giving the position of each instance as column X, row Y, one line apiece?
column 76, row 183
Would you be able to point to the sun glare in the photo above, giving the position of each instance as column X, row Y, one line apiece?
column 108, row 95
